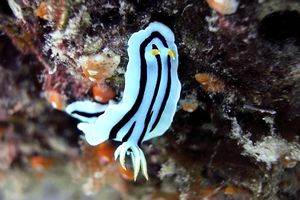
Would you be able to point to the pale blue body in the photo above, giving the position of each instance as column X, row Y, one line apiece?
column 98, row 130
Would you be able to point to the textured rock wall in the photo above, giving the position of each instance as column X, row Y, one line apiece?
column 236, row 131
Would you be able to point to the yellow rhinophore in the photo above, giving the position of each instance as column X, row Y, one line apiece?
column 171, row 53
column 155, row 52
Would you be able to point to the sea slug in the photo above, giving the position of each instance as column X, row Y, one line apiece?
column 149, row 102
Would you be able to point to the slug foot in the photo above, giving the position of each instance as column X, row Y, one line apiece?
column 137, row 157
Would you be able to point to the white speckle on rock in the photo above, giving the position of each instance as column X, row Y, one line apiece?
column 16, row 9
column 212, row 22
column 268, row 150
column 167, row 169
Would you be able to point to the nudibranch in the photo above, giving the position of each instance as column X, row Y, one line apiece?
column 149, row 101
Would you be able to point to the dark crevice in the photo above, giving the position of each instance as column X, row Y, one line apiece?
column 5, row 9
column 280, row 26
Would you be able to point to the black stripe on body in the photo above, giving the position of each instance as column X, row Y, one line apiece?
column 125, row 138
column 88, row 115
column 166, row 97
column 143, row 81
column 150, row 112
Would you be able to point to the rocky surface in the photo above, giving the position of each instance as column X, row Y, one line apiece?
column 236, row 131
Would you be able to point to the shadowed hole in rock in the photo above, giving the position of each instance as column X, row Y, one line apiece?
column 167, row 20
column 5, row 9
column 281, row 25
